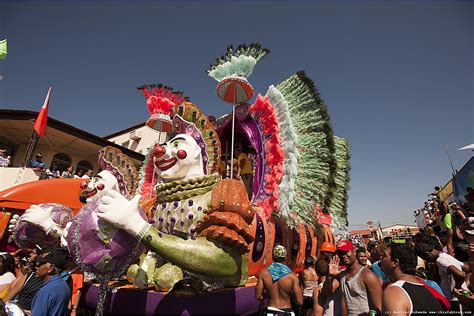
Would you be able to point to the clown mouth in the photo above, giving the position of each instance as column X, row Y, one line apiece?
column 89, row 193
column 165, row 164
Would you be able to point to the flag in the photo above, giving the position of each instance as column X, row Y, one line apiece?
column 41, row 120
column 3, row 49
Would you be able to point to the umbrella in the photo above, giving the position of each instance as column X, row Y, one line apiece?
column 235, row 90
column 471, row 147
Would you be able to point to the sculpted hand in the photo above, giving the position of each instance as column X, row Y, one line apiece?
column 41, row 217
column 13, row 222
column 122, row 213
column 334, row 268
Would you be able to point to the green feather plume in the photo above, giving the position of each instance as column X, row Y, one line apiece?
column 317, row 165
column 238, row 62
column 338, row 207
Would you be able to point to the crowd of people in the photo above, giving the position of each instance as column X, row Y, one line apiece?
column 53, row 172
column 39, row 282
column 427, row 274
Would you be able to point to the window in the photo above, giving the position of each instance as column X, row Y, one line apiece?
column 125, row 144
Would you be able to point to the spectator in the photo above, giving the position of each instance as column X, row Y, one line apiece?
column 79, row 174
column 245, row 169
column 361, row 255
column 323, row 302
column 308, row 281
column 53, row 297
column 68, row 173
column 22, row 291
column 461, row 246
column 7, row 273
column 279, row 282
column 407, row 295
column 7, row 268
column 327, row 250
column 88, row 174
column 37, row 164
column 4, row 161
column 361, row 291
column 449, row 268
column 446, row 224
column 53, row 173
column 377, row 254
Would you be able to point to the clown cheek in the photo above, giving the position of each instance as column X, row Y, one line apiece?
column 182, row 154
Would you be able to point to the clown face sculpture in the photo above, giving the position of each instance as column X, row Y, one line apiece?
column 178, row 159
column 98, row 185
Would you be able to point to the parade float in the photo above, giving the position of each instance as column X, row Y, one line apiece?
column 178, row 227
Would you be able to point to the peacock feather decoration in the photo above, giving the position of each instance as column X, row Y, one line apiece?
column 237, row 62
column 305, row 167
column 338, row 205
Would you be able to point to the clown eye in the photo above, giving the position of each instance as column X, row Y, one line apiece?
column 176, row 144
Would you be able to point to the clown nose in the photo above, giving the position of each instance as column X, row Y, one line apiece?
column 159, row 151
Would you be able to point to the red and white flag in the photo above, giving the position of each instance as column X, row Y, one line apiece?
column 41, row 120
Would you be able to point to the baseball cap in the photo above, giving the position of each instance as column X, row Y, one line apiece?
column 58, row 258
column 327, row 246
column 344, row 245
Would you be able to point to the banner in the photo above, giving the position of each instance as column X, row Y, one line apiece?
column 463, row 179
column 446, row 194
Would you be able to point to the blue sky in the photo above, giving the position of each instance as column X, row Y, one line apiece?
column 397, row 77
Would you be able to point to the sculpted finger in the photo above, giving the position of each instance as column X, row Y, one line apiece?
column 101, row 209
column 112, row 193
column 107, row 200
column 135, row 199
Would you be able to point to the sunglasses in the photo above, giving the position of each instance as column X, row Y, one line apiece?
column 39, row 263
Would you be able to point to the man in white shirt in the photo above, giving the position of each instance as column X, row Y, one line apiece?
column 4, row 161
column 450, row 269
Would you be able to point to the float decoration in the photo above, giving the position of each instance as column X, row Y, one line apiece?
column 28, row 235
column 95, row 245
column 315, row 143
column 265, row 115
column 339, row 201
column 232, row 70
column 160, row 100
column 122, row 168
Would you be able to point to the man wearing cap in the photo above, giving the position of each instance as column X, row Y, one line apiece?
column 4, row 161
column 360, row 287
column 53, row 297
column 279, row 282
column 327, row 250
column 37, row 163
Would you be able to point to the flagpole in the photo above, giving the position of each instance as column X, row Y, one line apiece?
column 449, row 157
column 31, row 147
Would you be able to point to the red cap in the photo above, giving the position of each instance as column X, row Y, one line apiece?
column 345, row 245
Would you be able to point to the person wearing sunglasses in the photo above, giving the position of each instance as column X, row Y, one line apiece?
column 53, row 297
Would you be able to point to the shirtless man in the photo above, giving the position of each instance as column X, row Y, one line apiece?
column 279, row 282
column 308, row 280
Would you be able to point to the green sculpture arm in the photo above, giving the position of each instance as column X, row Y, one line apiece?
column 194, row 255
